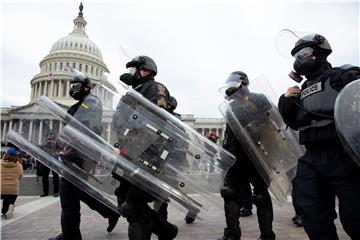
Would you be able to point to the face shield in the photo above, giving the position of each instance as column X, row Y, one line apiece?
column 285, row 41
column 233, row 83
column 132, row 70
column 304, row 53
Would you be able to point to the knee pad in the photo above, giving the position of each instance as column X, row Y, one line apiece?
column 260, row 200
column 228, row 193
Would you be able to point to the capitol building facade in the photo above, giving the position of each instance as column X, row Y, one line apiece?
column 78, row 51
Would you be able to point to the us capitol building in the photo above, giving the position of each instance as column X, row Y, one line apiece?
column 78, row 51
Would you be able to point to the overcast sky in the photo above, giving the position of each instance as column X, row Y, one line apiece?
column 196, row 44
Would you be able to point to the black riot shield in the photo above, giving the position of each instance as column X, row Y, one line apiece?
column 273, row 149
column 158, row 152
column 347, row 118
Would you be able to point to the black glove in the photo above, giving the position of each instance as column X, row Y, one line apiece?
column 126, row 78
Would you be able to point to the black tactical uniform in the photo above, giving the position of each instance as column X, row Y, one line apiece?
column 326, row 170
column 51, row 146
column 143, row 221
column 241, row 174
column 88, row 111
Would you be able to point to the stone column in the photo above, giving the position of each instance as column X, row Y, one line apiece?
column 61, row 89
column 67, row 88
column 45, row 88
column 20, row 126
column 108, row 132
column 51, row 124
column 41, row 89
column 51, row 88
column 4, row 130
column 30, row 130
column 35, row 92
column 40, row 131
column 60, row 127
column 38, row 90
column 10, row 124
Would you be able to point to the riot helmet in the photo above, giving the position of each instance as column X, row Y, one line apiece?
column 312, row 40
column 143, row 62
column 235, row 81
column 80, row 86
column 310, row 52
column 172, row 103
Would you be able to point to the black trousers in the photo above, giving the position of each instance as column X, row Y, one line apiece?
column 321, row 175
column 295, row 202
column 8, row 199
column 143, row 221
column 246, row 195
column 45, row 180
column 70, row 197
column 241, row 173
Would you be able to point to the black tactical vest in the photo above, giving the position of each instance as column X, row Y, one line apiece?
column 317, row 98
column 315, row 115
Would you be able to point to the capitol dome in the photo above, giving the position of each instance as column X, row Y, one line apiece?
column 77, row 51
column 77, row 42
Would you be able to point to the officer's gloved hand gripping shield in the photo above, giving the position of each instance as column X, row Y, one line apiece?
column 347, row 118
column 154, row 150
column 257, row 124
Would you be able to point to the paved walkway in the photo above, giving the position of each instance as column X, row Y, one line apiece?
column 39, row 218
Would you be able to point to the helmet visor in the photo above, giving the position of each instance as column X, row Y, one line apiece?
column 233, row 82
column 304, row 53
column 132, row 70
column 76, row 86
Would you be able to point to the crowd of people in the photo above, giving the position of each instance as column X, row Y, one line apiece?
column 324, row 172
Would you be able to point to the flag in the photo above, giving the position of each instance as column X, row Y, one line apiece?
column 50, row 77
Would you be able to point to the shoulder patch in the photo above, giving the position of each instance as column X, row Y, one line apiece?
column 161, row 90
column 162, row 103
column 83, row 105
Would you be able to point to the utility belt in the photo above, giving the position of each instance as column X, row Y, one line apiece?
column 315, row 135
column 324, row 145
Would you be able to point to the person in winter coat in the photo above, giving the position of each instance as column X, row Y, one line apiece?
column 10, row 172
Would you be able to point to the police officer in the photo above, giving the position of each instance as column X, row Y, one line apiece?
column 172, row 105
column 88, row 110
column 241, row 173
column 52, row 146
column 143, row 221
column 326, row 170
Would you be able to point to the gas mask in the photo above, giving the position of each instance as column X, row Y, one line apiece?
column 77, row 91
column 132, row 78
column 306, row 62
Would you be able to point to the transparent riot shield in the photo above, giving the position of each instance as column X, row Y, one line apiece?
column 273, row 149
column 40, row 138
column 158, row 152
column 347, row 118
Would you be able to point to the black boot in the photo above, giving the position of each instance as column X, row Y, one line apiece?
column 227, row 236
column 245, row 212
column 112, row 223
column 58, row 237
column 297, row 221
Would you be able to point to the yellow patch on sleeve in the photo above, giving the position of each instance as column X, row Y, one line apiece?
column 84, row 106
